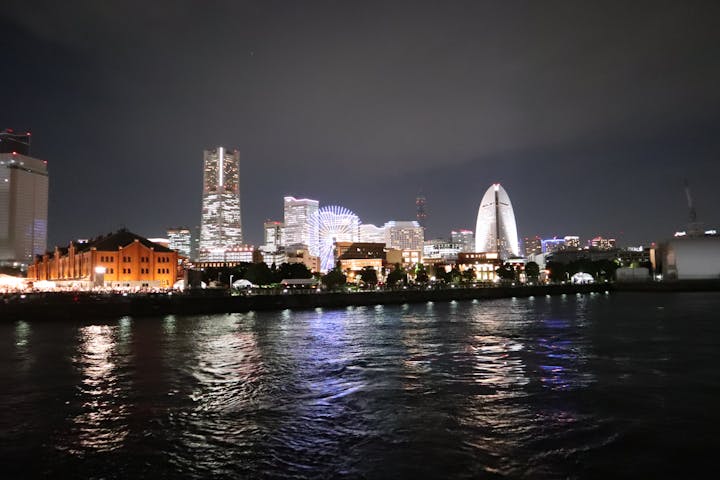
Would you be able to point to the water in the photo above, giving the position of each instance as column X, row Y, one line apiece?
column 592, row 386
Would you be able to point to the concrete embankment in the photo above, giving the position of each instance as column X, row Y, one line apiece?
column 670, row 286
column 88, row 306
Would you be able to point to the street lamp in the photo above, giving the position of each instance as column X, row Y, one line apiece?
column 231, row 280
column 100, row 276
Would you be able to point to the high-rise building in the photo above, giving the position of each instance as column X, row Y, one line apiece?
column 464, row 239
column 180, row 240
column 602, row 243
column 572, row 241
column 496, row 230
column 10, row 142
column 533, row 246
column 298, row 212
column 221, row 228
column 272, row 250
column 552, row 245
column 370, row 233
column 273, row 231
column 23, row 208
column 441, row 249
column 404, row 235
column 421, row 214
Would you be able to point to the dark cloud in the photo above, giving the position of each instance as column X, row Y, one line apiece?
column 590, row 113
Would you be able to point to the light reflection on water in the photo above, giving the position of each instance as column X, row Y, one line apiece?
column 504, row 388
column 102, row 423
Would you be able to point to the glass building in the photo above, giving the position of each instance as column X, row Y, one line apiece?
column 496, row 230
column 221, row 227
column 23, row 208
column 297, row 229
column 180, row 240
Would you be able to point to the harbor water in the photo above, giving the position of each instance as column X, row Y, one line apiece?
column 619, row 385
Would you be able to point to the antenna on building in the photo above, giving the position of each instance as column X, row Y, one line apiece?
column 420, row 205
column 694, row 227
column 691, row 207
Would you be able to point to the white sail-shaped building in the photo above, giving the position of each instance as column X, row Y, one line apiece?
column 496, row 230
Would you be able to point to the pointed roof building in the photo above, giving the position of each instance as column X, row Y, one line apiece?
column 496, row 230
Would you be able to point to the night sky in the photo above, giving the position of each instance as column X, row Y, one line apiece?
column 590, row 115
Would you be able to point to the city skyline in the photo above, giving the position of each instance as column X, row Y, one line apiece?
column 467, row 94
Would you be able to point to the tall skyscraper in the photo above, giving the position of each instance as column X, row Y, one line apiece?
column 221, row 228
column 496, row 230
column 23, row 208
column 180, row 240
column 298, row 212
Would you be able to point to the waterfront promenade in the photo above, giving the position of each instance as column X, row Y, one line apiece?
column 82, row 305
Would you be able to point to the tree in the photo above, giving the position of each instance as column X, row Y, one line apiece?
column 421, row 275
column 605, row 269
column 369, row 275
column 293, row 270
column 532, row 271
column 396, row 276
column 335, row 278
column 259, row 274
column 469, row 275
column 558, row 273
column 506, row 272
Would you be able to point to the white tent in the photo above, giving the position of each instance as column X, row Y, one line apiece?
column 582, row 277
column 243, row 283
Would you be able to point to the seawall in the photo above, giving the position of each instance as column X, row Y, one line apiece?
column 89, row 306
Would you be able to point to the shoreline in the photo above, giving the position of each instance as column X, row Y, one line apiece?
column 88, row 305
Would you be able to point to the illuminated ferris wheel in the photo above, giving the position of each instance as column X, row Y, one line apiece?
column 333, row 224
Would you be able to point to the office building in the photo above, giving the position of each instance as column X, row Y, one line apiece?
column 440, row 249
column 464, row 239
column 221, row 228
column 298, row 213
column 272, row 249
column 273, row 233
column 533, row 246
column 370, row 233
column 602, row 243
column 572, row 242
column 23, row 207
column 180, row 240
column 496, row 229
column 403, row 235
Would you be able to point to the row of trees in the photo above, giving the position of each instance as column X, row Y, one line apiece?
column 256, row 273
column 261, row 274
